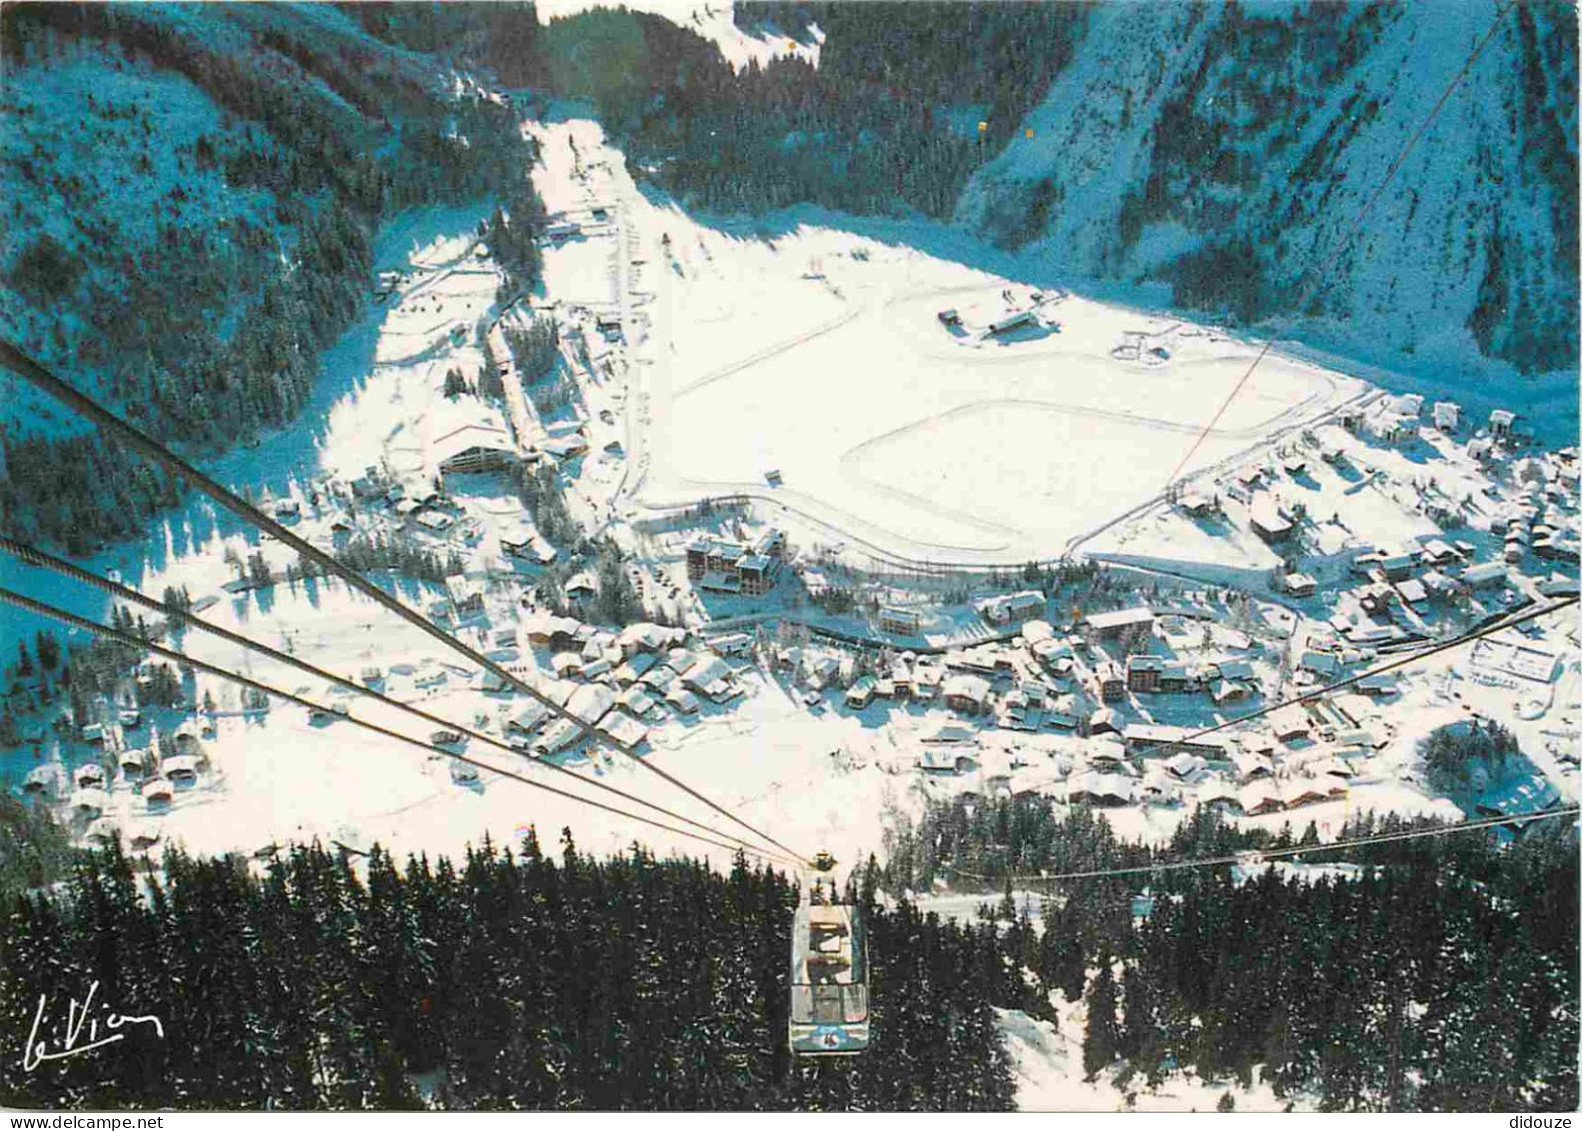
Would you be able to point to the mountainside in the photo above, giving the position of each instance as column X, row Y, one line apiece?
column 192, row 194
column 1226, row 150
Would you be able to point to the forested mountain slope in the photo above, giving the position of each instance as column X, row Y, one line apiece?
column 192, row 192
column 1226, row 149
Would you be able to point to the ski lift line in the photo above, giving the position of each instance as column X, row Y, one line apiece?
column 85, row 406
column 39, row 559
column 1258, row 854
column 29, row 604
column 1317, row 284
column 1391, row 665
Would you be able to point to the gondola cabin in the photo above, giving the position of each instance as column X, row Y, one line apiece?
column 829, row 981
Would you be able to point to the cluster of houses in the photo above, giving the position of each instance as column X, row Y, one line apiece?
column 616, row 682
column 153, row 773
column 724, row 565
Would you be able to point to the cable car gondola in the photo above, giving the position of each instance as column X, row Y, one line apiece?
column 829, row 972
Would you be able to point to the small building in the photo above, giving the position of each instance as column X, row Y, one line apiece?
column 1142, row 672
column 180, row 767
column 1105, row 790
column 966, row 693
column 902, row 622
column 1111, row 625
column 1500, row 422
column 1267, row 521
column 466, row 596
column 157, row 792
column 1260, row 797
column 1447, row 416
column 1013, row 608
column 1154, row 741
column 1299, row 584
column 1110, row 681
column 581, row 587
column 861, row 692
column 682, row 701
column 1013, row 321
column 944, row 759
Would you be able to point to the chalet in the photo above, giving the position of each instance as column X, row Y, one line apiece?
column 1184, row 766
column 157, row 792
column 1289, row 723
column 1104, row 721
column 861, row 693
column 185, row 740
column 1267, row 521
column 569, row 446
column 180, row 767
column 590, row 702
column 1500, row 422
column 1251, row 767
column 1101, row 789
column 88, row 774
column 527, row 719
column 93, row 733
column 1447, row 416
column 1197, row 506
column 1110, row 625
column 557, row 736
column 966, row 693
column 902, row 622
column 1260, row 797
column 40, row 779
column 944, row 759
column 466, row 596
column 581, row 587
column 1299, row 584
column 732, row 644
column 636, row 700
column 1309, row 792
column 133, row 762
column 1480, row 447
column 527, row 545
column 712, row 678
column 90, row 803
column 623, row 729
column 435, row 522
column 1228, row 691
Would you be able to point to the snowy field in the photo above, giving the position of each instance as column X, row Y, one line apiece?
column 797, row 348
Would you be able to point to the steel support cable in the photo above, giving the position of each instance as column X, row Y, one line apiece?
column 1257, row 855
column 37, row 558
column 1315, row 288
column 1404, row 661
column 85, row 406
column 29, row 604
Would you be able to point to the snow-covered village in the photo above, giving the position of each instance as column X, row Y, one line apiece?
column 587, row 514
